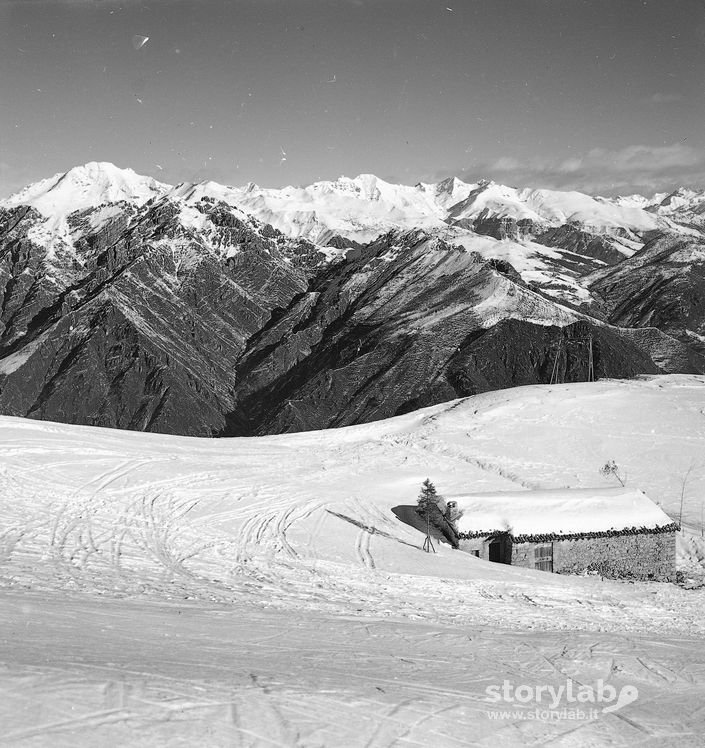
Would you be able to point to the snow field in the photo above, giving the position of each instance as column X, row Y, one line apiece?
column 262, row 591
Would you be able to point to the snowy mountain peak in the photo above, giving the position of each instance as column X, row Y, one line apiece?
column 86, row 186
column 365, row 185
column 447, row 192
column 359, row 208
column 362, row 208
column 449, row 184
column 636, row 200
column 681, row 198
column 551, row 208
column 194, row 192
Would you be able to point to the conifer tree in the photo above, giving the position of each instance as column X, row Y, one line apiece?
column 428, row 498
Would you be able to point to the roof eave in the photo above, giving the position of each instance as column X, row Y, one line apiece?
column 547, row 537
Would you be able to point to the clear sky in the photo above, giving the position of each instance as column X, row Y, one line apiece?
column 600, row 95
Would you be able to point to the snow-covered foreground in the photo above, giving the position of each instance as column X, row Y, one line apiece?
column 128, row 672
column 263, row 591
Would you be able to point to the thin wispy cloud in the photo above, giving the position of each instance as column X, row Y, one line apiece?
column 634, row 168
column 663, row 98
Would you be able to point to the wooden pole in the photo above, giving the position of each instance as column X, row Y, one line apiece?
column 591, row 362
column 554, row 373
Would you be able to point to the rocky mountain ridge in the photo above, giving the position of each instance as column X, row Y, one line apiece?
column 661, row 286
column 128, row 303
column 413, row 322
column 137, row 322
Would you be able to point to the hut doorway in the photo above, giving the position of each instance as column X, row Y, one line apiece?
column 498, row 550
column 543, row 557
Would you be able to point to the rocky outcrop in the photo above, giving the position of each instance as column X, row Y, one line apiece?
column 500, row 227
column 575, row 239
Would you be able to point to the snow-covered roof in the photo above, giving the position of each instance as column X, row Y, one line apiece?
column 559, row 512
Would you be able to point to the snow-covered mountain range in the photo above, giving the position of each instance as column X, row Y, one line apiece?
column 207, row 309
column 366, row 206
column 546, row 235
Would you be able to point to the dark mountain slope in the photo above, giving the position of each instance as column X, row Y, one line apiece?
column 661, row 286
column 194, row 318
column 411, row 323
column 138, row 324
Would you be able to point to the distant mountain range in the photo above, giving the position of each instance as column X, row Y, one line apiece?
column 365, row 207
column 206, row 309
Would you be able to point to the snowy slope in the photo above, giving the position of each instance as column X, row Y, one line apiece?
column 448, row 192
column 101, row 188
column 86, row 186
column 359, row 209
column 366, row 206
column 598, row 213
column 270, row 498
column 494, row 201
column 556, row 271
column 683, row 206
column 681, row 210
column 263, row 591
column 552, row 208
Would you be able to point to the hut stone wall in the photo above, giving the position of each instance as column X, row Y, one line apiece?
column 638, row 556
column 630, row 556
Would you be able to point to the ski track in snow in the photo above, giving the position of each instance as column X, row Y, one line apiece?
column 284, row 678
column 261, row 591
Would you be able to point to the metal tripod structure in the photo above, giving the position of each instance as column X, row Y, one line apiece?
column 428, row 543
column 563, row 344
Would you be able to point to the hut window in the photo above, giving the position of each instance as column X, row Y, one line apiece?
column 543, row 557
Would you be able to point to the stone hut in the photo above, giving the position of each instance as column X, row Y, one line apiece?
column 615, row 532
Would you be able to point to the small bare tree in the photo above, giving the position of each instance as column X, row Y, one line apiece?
column 684, row 482
column 611, row 470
